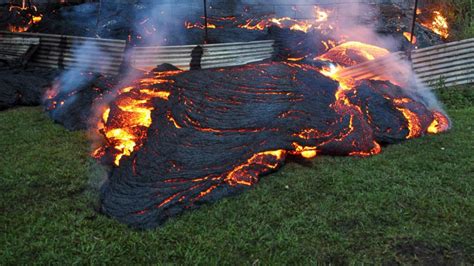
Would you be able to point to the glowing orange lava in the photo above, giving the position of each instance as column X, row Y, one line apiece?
column 414, row 124
column 126, row 132
column 295, row 59
column 244, row 173
column 29, row 14
column 304, row 151
column 353, row 53
column 439, row 24
column 252, row 25
column 13, row 28
column 365, row 52
column 408, row 37
column 197, row 25
column 37, row 19
column 321, row 16
column 329, row 44
column 440, row 123
column 339, row 55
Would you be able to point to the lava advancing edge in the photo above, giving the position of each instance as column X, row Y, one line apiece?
column 178, row 139
column 126, row 132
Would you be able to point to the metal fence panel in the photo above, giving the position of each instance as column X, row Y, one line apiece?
column 61, row 51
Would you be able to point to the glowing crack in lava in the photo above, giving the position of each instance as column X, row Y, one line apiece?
column 182, row 139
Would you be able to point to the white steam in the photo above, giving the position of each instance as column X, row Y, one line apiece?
column 85, row 59
column 356, row 22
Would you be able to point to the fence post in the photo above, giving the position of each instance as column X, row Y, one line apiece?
column 413, row 25
column 206, row 36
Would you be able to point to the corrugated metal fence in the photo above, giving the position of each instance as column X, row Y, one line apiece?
column 207, row 55
column 17, row 50
column 451, row 63
column 65, row 52
column 106, row 55
column 372, row 69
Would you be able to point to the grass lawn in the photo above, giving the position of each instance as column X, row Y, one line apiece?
column 412, row 203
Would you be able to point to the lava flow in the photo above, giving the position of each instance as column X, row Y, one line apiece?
column 353, row 53
column 320, row 22
column 408, row 36
column 440, row 123
column 197, row 25
column 285, row 22
column 178, row 139
column 436, row 22
column 126, row 130
column 27, row 15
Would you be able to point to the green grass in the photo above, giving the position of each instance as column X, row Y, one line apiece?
column 412, row 203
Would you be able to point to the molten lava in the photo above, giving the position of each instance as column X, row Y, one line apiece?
column 346, row 55
column 198, row 25
column 329, row 44
column 28, row 14
column 247, row 174
column 440, row 123
column 180, row 139
column 407, row 35
column 126, row 131
column 13, row 28
column 438, row 24
column 250, row 24
column 353, row 53
column 320, row 21
column 289, row 23
column 414, row 125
